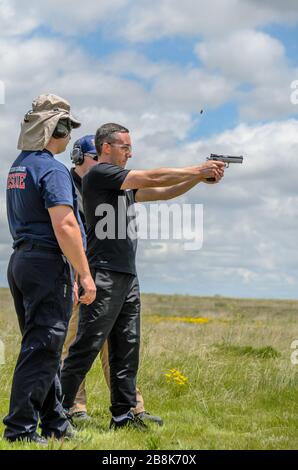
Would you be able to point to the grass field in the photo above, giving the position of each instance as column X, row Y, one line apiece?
column 235, row 388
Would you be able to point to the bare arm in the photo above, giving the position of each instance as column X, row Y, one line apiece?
column 161, row 194
column 164, row 177
column 68, row 234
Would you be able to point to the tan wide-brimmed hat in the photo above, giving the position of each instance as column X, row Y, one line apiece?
column 40, row 122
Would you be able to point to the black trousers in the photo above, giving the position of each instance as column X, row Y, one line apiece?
column 115, row 314
column 41, row 286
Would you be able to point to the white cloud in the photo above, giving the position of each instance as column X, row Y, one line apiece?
column 143, row 21
column 165, row 18
column 233, row 58
column 269, row 101
column 251, row 217
column 191, row 89
column 246, row 56
column 278, row 10
column 71, row 17
column 258, row 60
column 12, row 23
column 130, row 62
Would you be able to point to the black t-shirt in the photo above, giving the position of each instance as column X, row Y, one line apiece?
column 110, row 219
column 78, row 187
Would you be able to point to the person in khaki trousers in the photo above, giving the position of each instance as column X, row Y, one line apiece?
column 83, row 156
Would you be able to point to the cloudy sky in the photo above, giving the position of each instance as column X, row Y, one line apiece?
column 153, row 66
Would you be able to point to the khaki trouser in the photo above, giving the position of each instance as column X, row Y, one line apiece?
column 80, row 403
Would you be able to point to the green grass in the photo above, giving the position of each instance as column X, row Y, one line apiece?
column 241, row 392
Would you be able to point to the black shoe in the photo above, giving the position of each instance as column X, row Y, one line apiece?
column 145, row 416
column 68, row 434
column 130, row 420
column 80, row 416
column 69, row 416
column 36, row 438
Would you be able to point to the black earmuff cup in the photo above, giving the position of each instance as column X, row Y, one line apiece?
column 63, row 129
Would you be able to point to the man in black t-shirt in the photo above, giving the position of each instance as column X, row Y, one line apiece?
column 84, row 156
column 109, row 193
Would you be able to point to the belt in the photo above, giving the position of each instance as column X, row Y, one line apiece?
column 33, row 245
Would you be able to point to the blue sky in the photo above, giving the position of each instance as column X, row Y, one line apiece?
column 153, row 67
column 288, row 35
column 177, row 50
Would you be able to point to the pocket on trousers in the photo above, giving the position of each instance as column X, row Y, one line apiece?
column 55, row 308
column 104, row 281
column 64, row 292
column 56, row 338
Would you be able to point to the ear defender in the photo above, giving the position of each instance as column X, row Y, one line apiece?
column 63, row 129
column 77, row 155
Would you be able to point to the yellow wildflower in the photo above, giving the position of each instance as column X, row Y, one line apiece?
column 175, row 376
column 196, row 320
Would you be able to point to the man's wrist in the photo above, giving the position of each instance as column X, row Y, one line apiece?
column 200, row 176
column 85, row 274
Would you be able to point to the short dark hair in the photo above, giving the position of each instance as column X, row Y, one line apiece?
column 106, row 133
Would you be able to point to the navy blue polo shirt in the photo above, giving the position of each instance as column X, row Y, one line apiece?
column 37, row 182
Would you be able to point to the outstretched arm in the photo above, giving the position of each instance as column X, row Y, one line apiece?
column 165, row 177
column 170, row 192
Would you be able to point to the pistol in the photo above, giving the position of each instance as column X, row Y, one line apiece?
column 227, row 159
